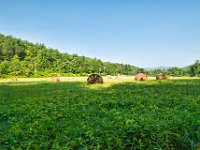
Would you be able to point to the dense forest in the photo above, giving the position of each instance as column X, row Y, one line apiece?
column 25, row 59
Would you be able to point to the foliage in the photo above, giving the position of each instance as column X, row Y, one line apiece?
column 22, row 58
column 74, row 115
column 195, row 69
column 192, row 70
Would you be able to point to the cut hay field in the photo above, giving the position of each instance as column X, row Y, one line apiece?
column 120, row 114
column 83, row 79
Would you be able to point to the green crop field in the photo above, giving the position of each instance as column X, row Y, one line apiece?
column 115, row 115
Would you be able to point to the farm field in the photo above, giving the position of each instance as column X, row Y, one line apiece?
column 83, row 79
column 120, row 114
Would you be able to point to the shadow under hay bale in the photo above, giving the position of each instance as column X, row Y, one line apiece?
column 94, row 78
column 55, row 79
column 141, row 77
column 13, row 80
column 161, row 77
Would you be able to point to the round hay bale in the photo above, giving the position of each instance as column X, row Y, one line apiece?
column 161, row 77
column 94, row 78
column 109, row 77
column 55, row 79
column 118, row 77
column 13, row 80
column 141, row 77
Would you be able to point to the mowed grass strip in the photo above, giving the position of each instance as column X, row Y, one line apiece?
column 120, row 115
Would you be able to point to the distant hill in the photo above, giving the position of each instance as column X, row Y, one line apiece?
column 190, row 70
column 160, row 68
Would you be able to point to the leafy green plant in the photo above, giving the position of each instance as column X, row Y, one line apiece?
column 74, row 115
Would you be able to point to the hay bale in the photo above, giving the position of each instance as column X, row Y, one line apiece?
column 141, row 77
column 55, row 79
column 13, row 80
column 109, row 77
column 161, row 77
column 94, row 78
column 118, row 77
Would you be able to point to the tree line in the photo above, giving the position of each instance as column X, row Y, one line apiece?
column 191, row 70
column 25, row 59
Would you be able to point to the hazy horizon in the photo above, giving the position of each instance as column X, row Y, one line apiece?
column 141, row 33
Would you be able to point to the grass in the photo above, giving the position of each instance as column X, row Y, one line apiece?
column 122, row 114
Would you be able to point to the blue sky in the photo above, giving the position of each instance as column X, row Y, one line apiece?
column 144, row 33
